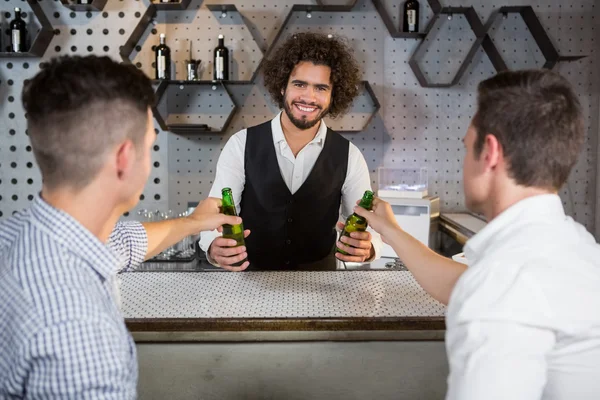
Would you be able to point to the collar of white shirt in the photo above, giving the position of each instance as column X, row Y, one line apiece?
column 279, row 137
column 529, row 210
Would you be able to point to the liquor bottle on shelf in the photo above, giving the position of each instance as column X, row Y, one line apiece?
column 18, row 33
column 356, row 223
column 235, row 232
column 411, row 16
column 221, row 61
column 163, row 59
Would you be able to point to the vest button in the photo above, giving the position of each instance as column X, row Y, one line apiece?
column 287, row 262
column 290, row 220
column 290, row 201
column 288, row 241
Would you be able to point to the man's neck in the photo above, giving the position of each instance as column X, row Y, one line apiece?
column 89, row 207
column 506, row 197
column 297, row 138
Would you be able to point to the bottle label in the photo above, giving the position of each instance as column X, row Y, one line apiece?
column 412, row 19
column 161, row 67
column 16, row 40
column 219, row 67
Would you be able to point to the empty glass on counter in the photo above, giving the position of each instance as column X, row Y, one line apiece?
column 182, row 251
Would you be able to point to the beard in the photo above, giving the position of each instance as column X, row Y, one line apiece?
column 303, row 123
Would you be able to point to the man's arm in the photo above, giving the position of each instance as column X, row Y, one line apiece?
column 206, row 217
column 77, row 359
column 497, row 360
column 135, row 242
column 435, row 273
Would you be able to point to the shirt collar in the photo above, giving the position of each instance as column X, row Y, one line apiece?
column 66, row 230
column 527, row 211
column 279, row 137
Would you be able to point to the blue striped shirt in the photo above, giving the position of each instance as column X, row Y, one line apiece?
column 61, row 332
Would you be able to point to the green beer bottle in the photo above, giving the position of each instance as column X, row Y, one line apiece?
column 235, row 232
column 356, row 223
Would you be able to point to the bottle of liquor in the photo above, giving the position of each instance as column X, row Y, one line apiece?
column 235, row 232
column 411, row 16
column 221, row 61
column 356, row 223
column 18, row 33
column 163, row 59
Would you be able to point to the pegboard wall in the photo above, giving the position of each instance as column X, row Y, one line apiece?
column 415, row 126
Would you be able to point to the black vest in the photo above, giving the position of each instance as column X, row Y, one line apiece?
column 288, row 230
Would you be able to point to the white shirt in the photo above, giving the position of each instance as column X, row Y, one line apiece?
column 294, row 170
column 523, row 320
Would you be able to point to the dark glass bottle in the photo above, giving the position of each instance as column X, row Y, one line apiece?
column 356, row 223
column 18, row 33
column 411, row 16
column 163, row 59
column 235, row 232
column 221, row 61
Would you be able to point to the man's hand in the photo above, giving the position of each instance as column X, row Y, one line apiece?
column 358, row 246
column 222, row 251
column 381, row 218
column 207, row 216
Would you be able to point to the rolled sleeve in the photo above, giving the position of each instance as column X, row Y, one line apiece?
column 129, row 241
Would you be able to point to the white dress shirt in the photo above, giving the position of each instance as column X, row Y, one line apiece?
column 294, row 171
column 523, row 320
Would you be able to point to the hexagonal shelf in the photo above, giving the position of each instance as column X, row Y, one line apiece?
column 361, row 109
column 394, row 31
column 174, row 115
column 95, row 5
column 42, row 39
column 478, row 30
column 541, row 38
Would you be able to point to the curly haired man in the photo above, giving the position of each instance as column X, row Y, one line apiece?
column 289, row 175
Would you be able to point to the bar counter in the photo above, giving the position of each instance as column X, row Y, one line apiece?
column 285, row 335
column 295, row 305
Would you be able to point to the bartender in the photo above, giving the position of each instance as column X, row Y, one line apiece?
column 290, row 175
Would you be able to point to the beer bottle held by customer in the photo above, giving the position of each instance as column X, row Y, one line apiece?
column 235, row 232
column 356, row 223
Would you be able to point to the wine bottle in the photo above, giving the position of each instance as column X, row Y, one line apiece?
column 163, row 59
column 221, row 61
column 18, row 33
column 411, row 16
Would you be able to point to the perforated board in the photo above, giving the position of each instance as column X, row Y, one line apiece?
column 415, row 126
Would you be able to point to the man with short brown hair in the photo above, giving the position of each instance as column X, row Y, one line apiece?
column 61, row 331
column 523, row 319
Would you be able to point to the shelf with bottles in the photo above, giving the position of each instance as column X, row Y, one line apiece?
column 170, row 4
column 176, row 99
column 84, row 5
column 410, row 18
column 16, row 44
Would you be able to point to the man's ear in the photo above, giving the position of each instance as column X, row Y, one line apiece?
column 125, row 157
column 492, row 151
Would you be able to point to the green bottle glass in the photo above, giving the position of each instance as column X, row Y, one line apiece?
column 235, row 232
column 356, row 223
